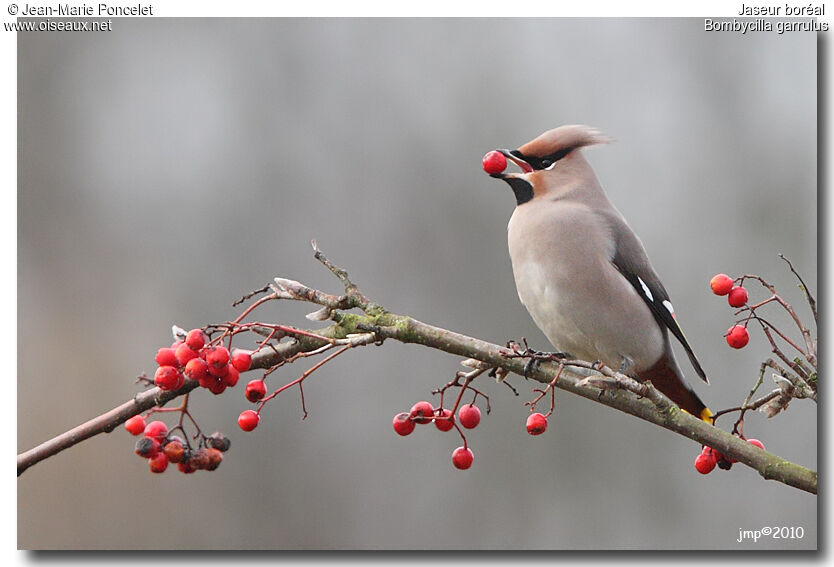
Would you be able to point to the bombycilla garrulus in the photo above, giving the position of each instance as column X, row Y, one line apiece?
column 583, row 274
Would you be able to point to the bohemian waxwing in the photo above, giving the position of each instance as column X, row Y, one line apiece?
column 583, row 274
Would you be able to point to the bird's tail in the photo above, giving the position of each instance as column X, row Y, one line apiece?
column 666, row 376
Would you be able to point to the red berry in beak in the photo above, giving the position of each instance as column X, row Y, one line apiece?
column 494, row 162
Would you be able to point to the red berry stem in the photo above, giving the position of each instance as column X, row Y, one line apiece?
column 768, row 325
column 468, row 377
column 298, row 381
column 810, row 349
column 551, row 388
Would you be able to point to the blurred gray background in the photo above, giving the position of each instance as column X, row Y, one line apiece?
column 169, row 166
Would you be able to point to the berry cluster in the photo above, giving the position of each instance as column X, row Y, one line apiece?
column 192, row 357
column 211, row 365
column 161, row 447
column 737, row 296
column 709, row 458
column 422, row 413
column 469, row 416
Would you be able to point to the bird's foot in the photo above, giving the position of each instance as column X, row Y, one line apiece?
column 601, row 382
column 530, row 366
column 625, row 364
column 535, row 357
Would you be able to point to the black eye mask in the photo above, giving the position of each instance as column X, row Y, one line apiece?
column 542, row 162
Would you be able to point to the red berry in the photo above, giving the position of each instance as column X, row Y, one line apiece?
column 166, row 357
column 219, row 371
column 422, row 412
column 536, row 424
column 147, row 447
column 185, row 467
column 201, row 459
column 207, row 381
column 156, row 430
column 494, row 162
column 713, row 453
column 737, row 297
column 704, row 463
column 176, row 343
column 462, row 458
column 242, row 360
column 213, row 459
column 195, row 339
column 158, row 463
column 248, row 420
column 722, row 461
column 445, row 424
column 184, row 353
column 135, row 425
column 217, row 387
column 175, row 451
column 196, row 369
column 737, row 336
column 218, row 357
column 757, row 443
column 167, row 378
column 255, row 390
column 231, row 377
column 721, row 284
column 219, row 441
column 403, row 424
column 469, row 416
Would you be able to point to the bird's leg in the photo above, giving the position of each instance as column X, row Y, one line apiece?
column 604, row 382
column 528, row 352
column 530, row 366
column 625, row 364
column 534, row 356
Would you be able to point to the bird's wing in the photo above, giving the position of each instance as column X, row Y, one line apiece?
column 632, row 262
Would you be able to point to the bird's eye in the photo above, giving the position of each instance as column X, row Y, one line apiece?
column 546, row 163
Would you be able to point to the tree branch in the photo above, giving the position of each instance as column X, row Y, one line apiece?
column 641, row 400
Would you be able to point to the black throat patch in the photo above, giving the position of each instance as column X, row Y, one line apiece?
column 523, row 190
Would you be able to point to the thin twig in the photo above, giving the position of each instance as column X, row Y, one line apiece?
column 810, row 352
column 751, row 406
column 811, row 301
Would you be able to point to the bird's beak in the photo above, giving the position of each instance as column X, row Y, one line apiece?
column 525, row 167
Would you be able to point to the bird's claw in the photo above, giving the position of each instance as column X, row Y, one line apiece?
column 625, row 364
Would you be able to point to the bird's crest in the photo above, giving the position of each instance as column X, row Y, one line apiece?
column 562, row 140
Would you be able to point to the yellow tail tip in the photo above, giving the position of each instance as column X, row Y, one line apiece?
column 706, row 415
